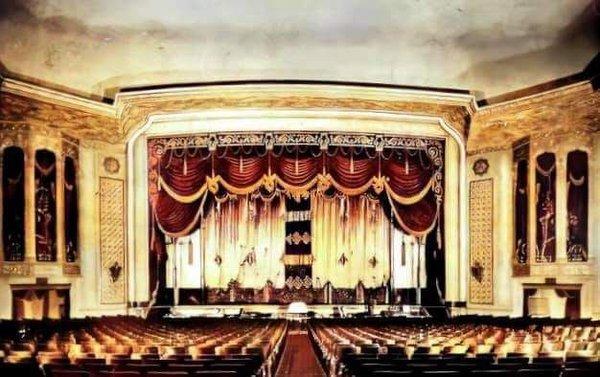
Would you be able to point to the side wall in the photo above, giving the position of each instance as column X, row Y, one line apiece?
column 87, row 278
column 508, row 289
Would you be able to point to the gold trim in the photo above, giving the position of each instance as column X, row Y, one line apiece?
column 298, row 259
column 162, row 185
column 409, row 200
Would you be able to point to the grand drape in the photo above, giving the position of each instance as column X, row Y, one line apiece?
column 184, row 182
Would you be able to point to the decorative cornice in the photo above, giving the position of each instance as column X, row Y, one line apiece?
column 494, row 126
column 321, row 139
column 24, row 89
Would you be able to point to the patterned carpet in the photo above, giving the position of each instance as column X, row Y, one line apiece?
column 299, row 358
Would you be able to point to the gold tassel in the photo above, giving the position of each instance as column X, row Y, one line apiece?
column 351, row 161
column 405, row 163
column 190, row 252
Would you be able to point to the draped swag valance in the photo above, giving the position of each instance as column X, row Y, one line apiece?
column 187, row 175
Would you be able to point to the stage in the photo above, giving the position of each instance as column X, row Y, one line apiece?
column 297, row 310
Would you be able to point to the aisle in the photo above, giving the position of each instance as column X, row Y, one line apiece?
column 299, row 358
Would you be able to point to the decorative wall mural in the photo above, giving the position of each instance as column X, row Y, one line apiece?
column 577, row 205
column 481, row 215
column 112, row 239
column 545, row 178
column 13, row 204
column 71, row 211
column 45, row 206
column 521, row 209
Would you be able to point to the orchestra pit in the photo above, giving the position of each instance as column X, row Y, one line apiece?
column 299, row 188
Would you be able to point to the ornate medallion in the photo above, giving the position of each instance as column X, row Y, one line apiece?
column 481, row 166
column 111, row 165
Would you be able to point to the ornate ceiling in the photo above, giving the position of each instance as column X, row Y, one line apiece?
column 96, row 47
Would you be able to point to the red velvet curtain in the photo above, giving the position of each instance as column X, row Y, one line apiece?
column 352, row 169
column 181, row 190
column 241, row 168
column 183, row 182
column 409, row 172
column 296, row 165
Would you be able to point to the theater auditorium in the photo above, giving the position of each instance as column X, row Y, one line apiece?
column 299, row 188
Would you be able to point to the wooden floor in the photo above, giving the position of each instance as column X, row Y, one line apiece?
column 299, row 358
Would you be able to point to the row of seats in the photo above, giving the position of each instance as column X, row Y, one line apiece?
column 130, row 346
column 371, row 348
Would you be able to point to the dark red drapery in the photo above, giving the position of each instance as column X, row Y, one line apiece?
column 183, row 182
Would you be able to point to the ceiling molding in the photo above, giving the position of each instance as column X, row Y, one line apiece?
column 22, row 88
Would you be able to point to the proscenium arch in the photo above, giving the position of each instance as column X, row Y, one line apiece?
column 280, row 119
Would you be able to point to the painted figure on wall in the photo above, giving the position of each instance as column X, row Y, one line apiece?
column 546, row 208
column 45, row 206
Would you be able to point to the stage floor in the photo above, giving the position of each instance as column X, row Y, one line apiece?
column 275, row 311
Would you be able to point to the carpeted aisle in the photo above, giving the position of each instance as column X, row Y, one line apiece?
column 299, row 358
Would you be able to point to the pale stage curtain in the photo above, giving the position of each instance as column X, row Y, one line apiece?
column 409, row 260
column 243, row 240
column 185, row 254
column 350, row 241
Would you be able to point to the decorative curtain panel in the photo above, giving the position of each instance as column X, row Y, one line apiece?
column 350, row 241
column 577, row 205
column 184, row 182
column 244, row 240
column 71, row 211
column 545, row 177
column 13, row 203
column 298, row 245
column 409, row 263
column 45, row 206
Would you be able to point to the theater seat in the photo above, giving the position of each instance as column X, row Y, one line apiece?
column 538, row 372
column 492, row 372
column 20, row 369
column 578, row 372
column 69, row 373
column 119, row 373
column 441, row 373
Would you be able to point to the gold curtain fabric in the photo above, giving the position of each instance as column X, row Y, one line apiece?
column 349, row 241
column 244, row 240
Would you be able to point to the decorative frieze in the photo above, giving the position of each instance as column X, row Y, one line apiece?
column 16, row 269
column 481, row 215
column 112, row 240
